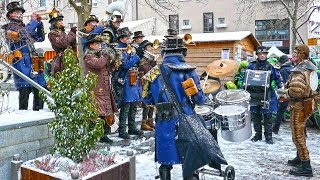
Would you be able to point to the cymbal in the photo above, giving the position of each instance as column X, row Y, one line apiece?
column 211, row 86
column 222, row 68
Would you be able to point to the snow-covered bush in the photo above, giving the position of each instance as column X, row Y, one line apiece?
column 77, row 126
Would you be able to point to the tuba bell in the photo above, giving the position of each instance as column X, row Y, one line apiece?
column 156, row 44
column 187, row 39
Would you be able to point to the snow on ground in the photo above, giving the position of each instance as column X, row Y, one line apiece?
column 256, row 161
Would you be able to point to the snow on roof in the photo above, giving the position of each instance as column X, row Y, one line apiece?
column 45, row 45
column 214, row 37
column 274, row 52
column 133, row 24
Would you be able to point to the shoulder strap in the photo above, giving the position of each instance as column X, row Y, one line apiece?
column 168, row 91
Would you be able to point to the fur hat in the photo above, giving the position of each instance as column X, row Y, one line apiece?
column 14, row 5
column 124, row 32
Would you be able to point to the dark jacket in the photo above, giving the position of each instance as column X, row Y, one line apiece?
column 285, row 71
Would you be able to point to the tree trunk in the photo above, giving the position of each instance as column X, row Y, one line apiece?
column 294, row 35
column 81, row 19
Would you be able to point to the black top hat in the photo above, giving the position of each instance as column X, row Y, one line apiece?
column 145, row 43
column 171, row 33
column 138, row 34
column 91, row 18
column 261, row 49
column 12, row 6
column 173, row 43
column 94, row 38
column 124, row 32
column 54, row 16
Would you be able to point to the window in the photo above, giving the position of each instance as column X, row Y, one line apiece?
column 174, row 22
column 94, row 3
column 221, row 20
column 207, row 22
column 43, row 3
column 273, row 29
column 111, row 1
column 186, row 22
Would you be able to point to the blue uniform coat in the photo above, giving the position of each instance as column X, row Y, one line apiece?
column 33, row 30
column 165, row 131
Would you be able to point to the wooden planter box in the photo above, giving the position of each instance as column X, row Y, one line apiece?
column 121, row 171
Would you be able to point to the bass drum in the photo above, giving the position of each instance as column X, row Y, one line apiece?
column 5, row 74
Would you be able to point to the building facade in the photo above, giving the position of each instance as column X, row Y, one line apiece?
column 266, row 19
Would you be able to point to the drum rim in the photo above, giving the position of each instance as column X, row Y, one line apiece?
column 243, row 110
column 246, row 98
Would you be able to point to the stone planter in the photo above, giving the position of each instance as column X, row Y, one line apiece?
column 124, row 170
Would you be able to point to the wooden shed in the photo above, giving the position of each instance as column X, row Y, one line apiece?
column 209, row 47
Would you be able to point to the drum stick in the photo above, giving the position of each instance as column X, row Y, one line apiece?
column 205, row 81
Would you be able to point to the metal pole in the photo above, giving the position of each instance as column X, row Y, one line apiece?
column 15, row 166
column 26, row 78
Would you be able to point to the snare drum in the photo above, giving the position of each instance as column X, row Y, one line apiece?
column 207, row 113
column 234, row 122
column 234, row 96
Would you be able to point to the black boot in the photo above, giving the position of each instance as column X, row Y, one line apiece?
column 164, row 172
column 24, row 97
column 257, row 137
column 123, row 134
column 135, row 131
column 106, row 139
column 268, row 127
column 296, row 162
column 304, row 170
column 269, row 140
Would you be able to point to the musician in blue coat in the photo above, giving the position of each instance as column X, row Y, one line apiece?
column 18, row 36
column 257, row 110
column 153, row 92
column 91, row 26
column 130, row 97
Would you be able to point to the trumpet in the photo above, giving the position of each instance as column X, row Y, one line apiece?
column 148, row 55
column 41, row 15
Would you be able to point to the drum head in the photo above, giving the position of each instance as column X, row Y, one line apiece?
column 205, row 109
column 229, row 110
column 232, row 96
column 314, row 80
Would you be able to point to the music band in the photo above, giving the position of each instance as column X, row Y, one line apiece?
column 129, row 76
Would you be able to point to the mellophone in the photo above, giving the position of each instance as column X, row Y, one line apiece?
column 232, row 116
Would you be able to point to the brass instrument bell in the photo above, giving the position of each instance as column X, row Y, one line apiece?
column 187, row 38
column 156, row 44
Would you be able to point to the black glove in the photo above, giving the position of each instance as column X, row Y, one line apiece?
column 74, row 29
column 140, row 52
